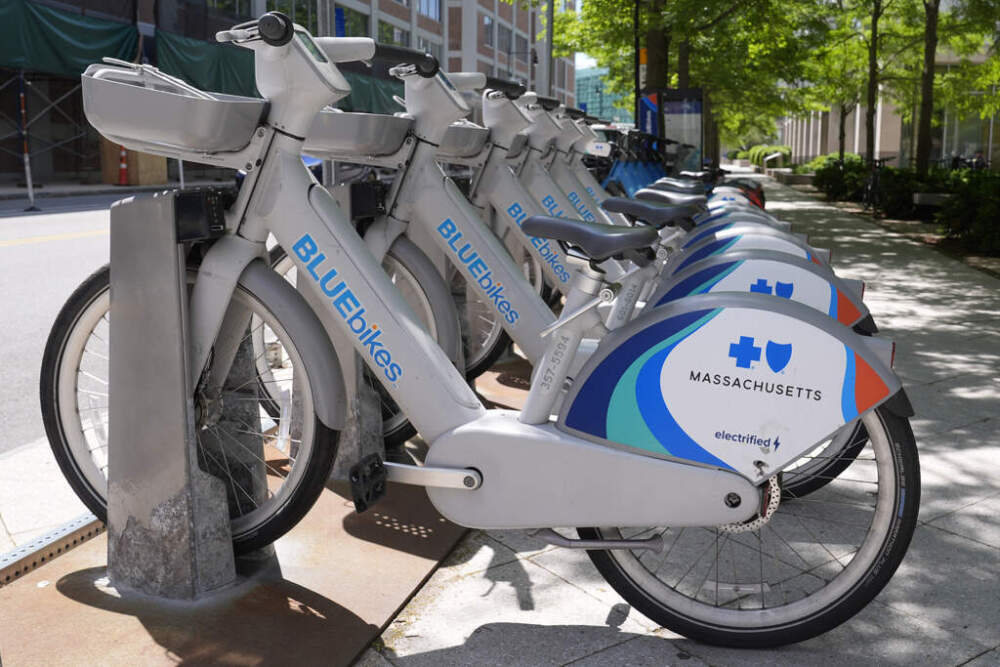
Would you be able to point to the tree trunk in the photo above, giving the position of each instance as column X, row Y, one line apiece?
column 657, row 48
column 842, row 132
column 931, row 8
column 872, row 97
column 684, row 64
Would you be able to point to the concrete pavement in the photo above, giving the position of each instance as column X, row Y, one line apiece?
column 505, row 599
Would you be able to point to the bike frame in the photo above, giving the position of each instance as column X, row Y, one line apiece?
column 615, row 487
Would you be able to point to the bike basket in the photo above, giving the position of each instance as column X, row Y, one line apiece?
column 463, row 139
column 139, row 105
column 340, row 134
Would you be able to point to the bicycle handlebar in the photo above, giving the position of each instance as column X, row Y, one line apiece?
column 511, row 89
column 574, row 113
column 275, row 28
column 548, row 103
column 426, row 65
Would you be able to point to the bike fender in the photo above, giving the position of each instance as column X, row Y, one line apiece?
column 772, row 273
column 740, row 382
column 744, row 236
column 308, row 335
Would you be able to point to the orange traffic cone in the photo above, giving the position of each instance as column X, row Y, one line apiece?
column 123, row 167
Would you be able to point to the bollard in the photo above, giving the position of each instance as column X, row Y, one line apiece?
column 168, row 521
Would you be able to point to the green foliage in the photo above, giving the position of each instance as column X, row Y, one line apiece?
column 973, row 214
column 842, row 181
column 757, row 154
column 822, row 161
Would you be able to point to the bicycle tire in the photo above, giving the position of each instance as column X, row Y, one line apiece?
column 247, row 536
column 730, row 623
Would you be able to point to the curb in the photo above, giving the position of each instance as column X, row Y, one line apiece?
column 102, row 190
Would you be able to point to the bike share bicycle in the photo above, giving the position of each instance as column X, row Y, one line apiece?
column 692, row 529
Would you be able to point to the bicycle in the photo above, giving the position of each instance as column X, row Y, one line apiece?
column 675, row 489
column 872, row 196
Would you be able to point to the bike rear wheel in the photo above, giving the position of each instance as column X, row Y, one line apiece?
column 805, row 567
column 273, row 475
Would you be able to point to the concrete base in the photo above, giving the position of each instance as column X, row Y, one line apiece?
column 333, row 584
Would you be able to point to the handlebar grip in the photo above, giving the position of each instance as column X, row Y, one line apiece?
column 548, row 103
column 467, row 80
column 346, row 49
column 512, row 89
column 275, row 29
column 426, row 64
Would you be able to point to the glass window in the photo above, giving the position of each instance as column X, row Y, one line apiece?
column 303, row 13
column 405, row 3
column 427, row 46
column 430, row 8
column 487, row 38
column 505, row 39
column 521, row 49
column 390, row 34
column 355, row 23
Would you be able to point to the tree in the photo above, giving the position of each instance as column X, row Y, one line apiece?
column 931, row 10
column 836, row 73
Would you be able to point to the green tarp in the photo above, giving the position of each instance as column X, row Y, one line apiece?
column 42, row 39
column 371, row 94
column 38, row 38
column 224, row 68
column 219, row 68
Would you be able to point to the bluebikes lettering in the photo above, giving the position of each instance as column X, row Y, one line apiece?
column 544, row 248
column 347, row 305
column 551, row 207
column 580, row 207
column 480, row 271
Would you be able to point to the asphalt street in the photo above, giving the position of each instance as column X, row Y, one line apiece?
column 43, row 257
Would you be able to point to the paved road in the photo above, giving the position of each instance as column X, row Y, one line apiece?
column 43, row 257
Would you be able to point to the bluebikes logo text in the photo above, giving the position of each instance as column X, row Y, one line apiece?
column 348, row 306
column 480, row 271
column 580, row 207
column 551, row 207
column 544, row 248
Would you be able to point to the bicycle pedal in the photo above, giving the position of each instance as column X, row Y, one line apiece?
column 368, row 481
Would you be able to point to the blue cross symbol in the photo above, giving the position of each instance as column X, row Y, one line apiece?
column 744, row 352
column 760, row 287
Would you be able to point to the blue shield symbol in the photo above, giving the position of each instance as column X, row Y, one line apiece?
column 778, row 355
column 784, row 290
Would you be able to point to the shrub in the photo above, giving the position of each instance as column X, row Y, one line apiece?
column 845, row 181
column 823, row 160
column 757, row 154
column 742, row 155
column 973, row 214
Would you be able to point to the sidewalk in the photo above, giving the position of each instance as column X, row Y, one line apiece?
column 8, row 192
column 503, row 599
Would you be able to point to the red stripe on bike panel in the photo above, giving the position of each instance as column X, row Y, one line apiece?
column 869, row 388
column 847, row 312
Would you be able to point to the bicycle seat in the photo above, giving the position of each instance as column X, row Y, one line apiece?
column 666, row 197
column 656, row 215
column 597, row 240
column 678, row 185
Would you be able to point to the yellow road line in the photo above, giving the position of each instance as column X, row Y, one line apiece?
column 53, row 237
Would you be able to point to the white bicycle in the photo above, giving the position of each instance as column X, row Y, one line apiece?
column 672, row 443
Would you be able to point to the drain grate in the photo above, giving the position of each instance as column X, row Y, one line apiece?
column 22, row 560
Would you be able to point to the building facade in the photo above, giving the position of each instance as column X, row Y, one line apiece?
column 952, row 135
column 494, row 37
column 593, row 97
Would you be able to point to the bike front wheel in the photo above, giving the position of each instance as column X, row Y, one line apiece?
column 803, row 567
column 273, row 469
